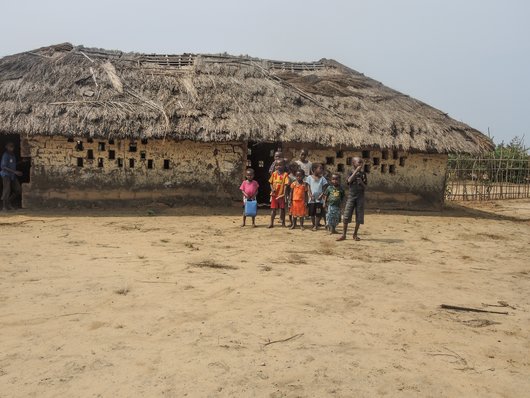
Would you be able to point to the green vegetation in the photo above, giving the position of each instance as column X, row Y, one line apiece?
column 507, row 163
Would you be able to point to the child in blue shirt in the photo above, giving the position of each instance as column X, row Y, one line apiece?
column 317, row 185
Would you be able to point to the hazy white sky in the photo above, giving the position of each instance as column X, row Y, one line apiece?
column 470, row 58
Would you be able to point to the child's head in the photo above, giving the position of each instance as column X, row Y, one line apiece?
column 357, row 161
column 335, row 179
column 279, row 165
column 317, row 169
column 303, row 155
column 249, row 175
column 293, row 168
column 278, row 155
column 10, row 147
column 300, row 175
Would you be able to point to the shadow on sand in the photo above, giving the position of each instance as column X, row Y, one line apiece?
column 451, row 210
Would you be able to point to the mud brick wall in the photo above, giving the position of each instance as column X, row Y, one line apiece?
column 396, row 179
column 119, row 171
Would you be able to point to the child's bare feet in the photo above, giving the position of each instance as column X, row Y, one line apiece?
column 356, row 238
column 242, row 225
column 253, row 225
column 270, row 226
column 341, row 238
column 315, row 228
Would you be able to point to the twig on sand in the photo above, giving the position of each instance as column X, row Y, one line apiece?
column 458, row 308
column 71, row 314
column 171, row 283
column 502, row 304
column 450, row 353
column 296, row 336
column 15, row 223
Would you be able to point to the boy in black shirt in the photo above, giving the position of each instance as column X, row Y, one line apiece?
column 357, row 184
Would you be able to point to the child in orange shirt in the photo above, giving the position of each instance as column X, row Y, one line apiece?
column 292, row 169
column 299, row 198
column 279, row 181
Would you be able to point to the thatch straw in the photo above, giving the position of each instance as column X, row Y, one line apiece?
column 80, row 91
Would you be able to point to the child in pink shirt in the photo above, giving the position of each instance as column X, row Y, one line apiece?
column 249, row 188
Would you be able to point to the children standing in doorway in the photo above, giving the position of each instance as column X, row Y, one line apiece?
column 9, row 173
column 279, row 181
column 357, row 182
column 249, row 188
column 298, row 199
column 317, row 184
column 304, row 163
column 333, row 197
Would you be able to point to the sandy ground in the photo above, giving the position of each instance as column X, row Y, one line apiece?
column 183, row 303
column 508, row 209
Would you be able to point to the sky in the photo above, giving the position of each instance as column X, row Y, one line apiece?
column 469, row 58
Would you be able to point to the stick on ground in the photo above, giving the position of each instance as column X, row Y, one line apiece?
column 458, row 308
column 283, row 340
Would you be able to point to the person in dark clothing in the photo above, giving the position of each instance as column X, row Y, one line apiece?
column 357, row 182
column 8, row 172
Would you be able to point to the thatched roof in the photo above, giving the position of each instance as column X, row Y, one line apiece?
column 71, row 90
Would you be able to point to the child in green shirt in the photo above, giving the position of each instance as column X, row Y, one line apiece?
column 333, row 197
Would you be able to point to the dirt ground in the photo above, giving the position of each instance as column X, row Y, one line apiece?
column 165, row 302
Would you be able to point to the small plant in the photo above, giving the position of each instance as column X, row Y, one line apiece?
column 123, row 291
column 190, row 245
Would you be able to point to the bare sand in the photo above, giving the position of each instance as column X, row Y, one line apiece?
column 186, row 303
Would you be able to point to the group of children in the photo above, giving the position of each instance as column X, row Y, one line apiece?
column 300, row 189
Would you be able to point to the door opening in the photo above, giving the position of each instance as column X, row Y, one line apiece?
column 23, row 164
column 260, row 157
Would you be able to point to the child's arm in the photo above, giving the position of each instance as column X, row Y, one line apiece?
column 363, row 181
column 324, row 196
column 241, row 188
column 350, row 178
column 325, row 186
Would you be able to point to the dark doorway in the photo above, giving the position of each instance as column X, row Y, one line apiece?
column 260, row 158
column 23, row 165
